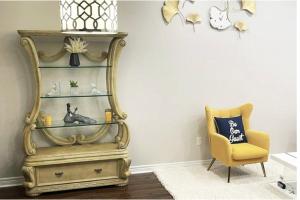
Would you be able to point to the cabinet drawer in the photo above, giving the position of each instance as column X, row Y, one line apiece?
column 67, row 173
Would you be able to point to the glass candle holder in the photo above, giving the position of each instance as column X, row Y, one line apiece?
column 108, row 115
column 48, row 120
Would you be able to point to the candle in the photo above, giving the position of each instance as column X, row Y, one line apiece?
column 108, row 115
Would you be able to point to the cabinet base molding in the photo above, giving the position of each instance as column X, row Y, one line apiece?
column 49, row 170
column 36, row 191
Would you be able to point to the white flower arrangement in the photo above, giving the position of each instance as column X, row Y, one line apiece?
column 76, row 45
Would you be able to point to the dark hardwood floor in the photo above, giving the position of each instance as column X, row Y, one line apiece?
column 141, row 186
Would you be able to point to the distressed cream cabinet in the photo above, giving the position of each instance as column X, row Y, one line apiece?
column 76, row 161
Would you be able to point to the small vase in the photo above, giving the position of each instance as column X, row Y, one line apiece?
column 74, row 60
column 74, row 91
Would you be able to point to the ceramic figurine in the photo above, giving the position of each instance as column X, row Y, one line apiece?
column 53, row 90
column 94, row 89
column 72, row 117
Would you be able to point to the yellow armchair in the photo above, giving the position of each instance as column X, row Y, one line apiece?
column 255, row 151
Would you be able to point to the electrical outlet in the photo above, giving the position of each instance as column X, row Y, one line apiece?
column 198, row 140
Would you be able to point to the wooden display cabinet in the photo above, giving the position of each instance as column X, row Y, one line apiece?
column 76, row 161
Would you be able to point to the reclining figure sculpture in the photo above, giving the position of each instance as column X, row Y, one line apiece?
column 72, row 117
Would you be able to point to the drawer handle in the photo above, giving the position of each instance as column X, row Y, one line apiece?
column 58, row 174
column 98, row 171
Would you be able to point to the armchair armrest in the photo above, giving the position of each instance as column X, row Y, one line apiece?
column 220, row 147
column 258, row 138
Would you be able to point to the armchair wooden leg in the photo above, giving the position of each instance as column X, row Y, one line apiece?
column 263, row 168
column 211, row 163
column 228, row 180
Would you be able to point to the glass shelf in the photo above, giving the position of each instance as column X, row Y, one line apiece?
column 75, row 96
column 68, row 67
column 62, row 124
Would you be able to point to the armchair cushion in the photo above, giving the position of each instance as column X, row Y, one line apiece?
column 231, row 128
column 245, row 151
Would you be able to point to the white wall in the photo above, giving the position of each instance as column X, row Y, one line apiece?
column 167, row 74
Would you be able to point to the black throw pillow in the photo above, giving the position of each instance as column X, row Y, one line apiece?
column 232, row 128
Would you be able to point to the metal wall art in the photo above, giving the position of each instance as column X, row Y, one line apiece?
column 219, row 18
column 240, row 26
column 193, row 18
column 171, row 8
column 249, row 5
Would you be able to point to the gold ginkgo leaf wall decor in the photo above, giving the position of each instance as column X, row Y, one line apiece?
column 249, row 5
column 218, row 19
column 240, row 26
column 193, row 18
column 170, row 9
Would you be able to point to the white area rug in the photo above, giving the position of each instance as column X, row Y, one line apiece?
column 195, row 182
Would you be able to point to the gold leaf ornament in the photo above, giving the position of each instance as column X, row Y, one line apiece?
column 240, row 26
column 170, row 9
column 193, row 18
column 249, row 5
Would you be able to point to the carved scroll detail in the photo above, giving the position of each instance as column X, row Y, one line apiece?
column 28, row 173
column 59, row 140
column 56, row 139
column 30, row 119
column 124, row 168
column 123, row 137
column 115, row 48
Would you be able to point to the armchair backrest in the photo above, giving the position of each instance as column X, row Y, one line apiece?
column 244, row 110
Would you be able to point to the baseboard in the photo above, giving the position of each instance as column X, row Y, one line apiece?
column 11, row 181
column 151, row 168
column 138, row 169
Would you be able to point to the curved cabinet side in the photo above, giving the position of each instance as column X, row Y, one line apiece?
column 123, row 136
column 114, row 52
column 30, row 48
